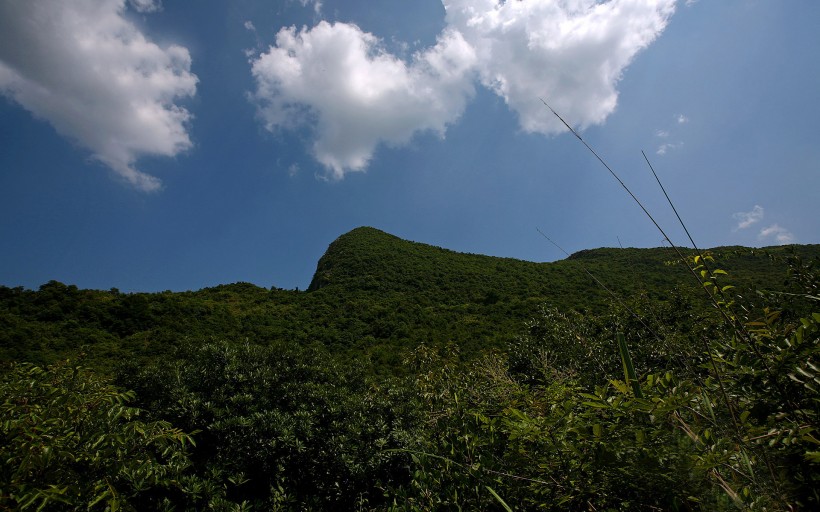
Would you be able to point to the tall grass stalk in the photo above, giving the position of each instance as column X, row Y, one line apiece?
column 646, row 212
column 717, row 297
column 719, row 305
column 606, row 288
column 737, row 325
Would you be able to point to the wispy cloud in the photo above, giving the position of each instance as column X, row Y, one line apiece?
column 781, row 235
column 664, row 148
column 747, row 219
column 665, row 133
column 87, row 70
column 146, row 5
column 317, row 5
column 340, row 81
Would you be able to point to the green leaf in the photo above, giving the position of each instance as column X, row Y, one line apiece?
column 620, row 386
column 629, row 369
column 498, row 498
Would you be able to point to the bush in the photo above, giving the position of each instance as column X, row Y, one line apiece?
column 68, row 440
column 552, row 426
column 284, row 426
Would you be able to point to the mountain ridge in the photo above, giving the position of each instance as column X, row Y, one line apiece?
column 367, row 258
column 372, row 293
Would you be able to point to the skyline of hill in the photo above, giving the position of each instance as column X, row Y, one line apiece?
column 373, row 294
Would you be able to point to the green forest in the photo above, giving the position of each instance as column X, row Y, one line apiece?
column 411, row 377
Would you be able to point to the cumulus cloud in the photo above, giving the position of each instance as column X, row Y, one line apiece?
column 571, row 53
column 781, row 235
column 746, row 219
column 682, row 119
column 354, row 94
column 84, row 68
column 339, row 80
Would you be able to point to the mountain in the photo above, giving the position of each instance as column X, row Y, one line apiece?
column 373, row 294
column 369, row 260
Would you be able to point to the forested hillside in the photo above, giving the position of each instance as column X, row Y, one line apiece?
column 410, row 377
column 372, row 294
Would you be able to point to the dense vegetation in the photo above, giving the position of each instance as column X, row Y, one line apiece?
column 410, row 377
column 374, row 297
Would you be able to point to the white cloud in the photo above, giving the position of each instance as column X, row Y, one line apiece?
column 664, row 148
column 355, row 95
column 665, row 134
column 781, row 235
column 746, row 219
column 339, row 80
column 146, row 5
column 570, row 53
column 250, row 26
column 84, row 68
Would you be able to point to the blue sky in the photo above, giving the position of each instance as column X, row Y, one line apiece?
column 152, row 145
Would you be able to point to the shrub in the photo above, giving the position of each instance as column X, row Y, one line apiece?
column 68, row 439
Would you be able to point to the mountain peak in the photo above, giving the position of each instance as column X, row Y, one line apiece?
column 360, row 253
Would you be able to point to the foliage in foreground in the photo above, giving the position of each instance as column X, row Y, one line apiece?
column 733, row 426
column 690, row 411
column 68, row 440
column 284, row 426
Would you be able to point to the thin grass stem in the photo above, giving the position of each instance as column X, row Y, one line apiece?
column 602, row 285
